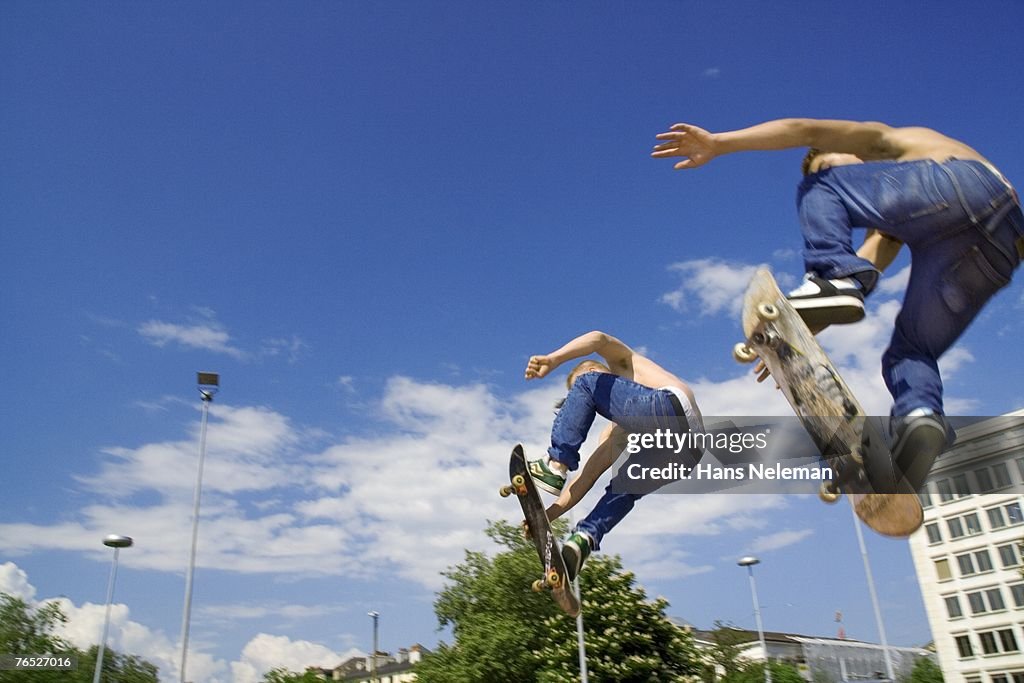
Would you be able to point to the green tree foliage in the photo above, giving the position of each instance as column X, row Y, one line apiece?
column 505, row 632
column 31, row 631
column 725, row 650
column 282, row 675
column 925, row 671
column 753, row 672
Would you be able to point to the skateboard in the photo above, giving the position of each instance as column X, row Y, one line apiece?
column 548, row 549
column 849, row 442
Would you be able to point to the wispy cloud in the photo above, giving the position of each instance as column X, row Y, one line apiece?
column 709, row 286
column 208, row 337
column 711, row 72
column 780, row 539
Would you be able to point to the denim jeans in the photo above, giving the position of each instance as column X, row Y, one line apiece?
column 633, row 407
column 963, row 226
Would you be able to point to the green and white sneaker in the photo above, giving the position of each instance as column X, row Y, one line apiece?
column 575, row 552
column 546, row 478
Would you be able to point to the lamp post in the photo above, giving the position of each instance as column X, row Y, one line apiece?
column 874, row 597
column 373, row 657
column 208, row 383
column 749, row 561
column 116, row 542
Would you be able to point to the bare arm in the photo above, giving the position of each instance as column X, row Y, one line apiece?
column 880, row 249
column 611, row 445
column 868, row 140
column 618, row 355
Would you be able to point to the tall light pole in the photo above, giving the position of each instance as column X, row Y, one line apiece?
column 874, row 596
column 116, row 542
column 749, row 561
column 208, row 383
column 373, row 658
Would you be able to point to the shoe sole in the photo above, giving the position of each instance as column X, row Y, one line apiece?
column 918, row 448
column 546, row 487
column 571, row 559
column 837, row 310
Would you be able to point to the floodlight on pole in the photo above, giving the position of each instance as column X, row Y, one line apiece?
column 749, row 561
column 116, row 542
column 373, row 658
column 208, row 384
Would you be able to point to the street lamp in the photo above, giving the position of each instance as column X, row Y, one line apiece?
column 874, row 597
column 208, row 383
column 749, row 561
column 116, row 542
column 373, row 658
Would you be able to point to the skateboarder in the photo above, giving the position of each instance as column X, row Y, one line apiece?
column 637, row 395
column 958, row 214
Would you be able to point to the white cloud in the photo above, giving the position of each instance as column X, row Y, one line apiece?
column 266, row 652
column 780, row 539
column 14, row 581
column 208, row 337
column 712, row 72
column 709, row 286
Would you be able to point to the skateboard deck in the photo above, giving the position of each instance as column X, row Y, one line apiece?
column 548, row 549
column 848, row 441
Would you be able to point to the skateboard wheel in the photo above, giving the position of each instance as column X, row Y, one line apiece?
column 759, row 339
column 743, row 353
column 537, row 586
column 505, row 491
column 553, row 579
column 518, row 481
column 828, row 492
column 767, row 311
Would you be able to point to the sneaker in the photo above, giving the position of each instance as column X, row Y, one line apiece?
column 823, row 302
column 575, row 552
column 919, row 438
column 546, row 478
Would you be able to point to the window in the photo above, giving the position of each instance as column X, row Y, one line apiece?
column 994, row 642
column 1008, row 555
column 934, row 535
column 984, row 480
column 942, row 570
column 1001, row 475
column 1020, row 467
column 996, row 520
column 953, row 605
column 1000, row 678
column 963, row 645
column 977, row 602
column 1013, row 513
column 956, row 529
column 972, row 523
column 995, row 599
column 926, row 498
column 983, row 561
column 960, row 486
column 945, row 490
column 966, row 563
column 1017, row 591
column 988, row 642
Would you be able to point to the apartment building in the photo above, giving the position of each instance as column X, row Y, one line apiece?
column 968, row 555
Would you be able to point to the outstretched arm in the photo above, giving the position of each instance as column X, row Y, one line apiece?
column 611, row 445
column 618, row 355
column 868, row 140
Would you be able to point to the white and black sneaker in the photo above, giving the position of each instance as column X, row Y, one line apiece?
column 823, row 302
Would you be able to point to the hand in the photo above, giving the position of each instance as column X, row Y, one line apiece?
column 763, row 373
column 539, row 366
column 684, row 140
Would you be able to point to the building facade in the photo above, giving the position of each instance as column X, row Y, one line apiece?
column 968, row 554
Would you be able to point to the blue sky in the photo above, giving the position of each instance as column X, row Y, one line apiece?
column 366, row 216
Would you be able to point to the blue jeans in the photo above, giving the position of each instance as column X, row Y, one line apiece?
column 964, row 228
column 633, row 407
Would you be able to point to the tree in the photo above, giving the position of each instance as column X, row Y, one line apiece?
column 725, row 650
column 283, row 675
column 925, row 671
column 504, row 632
column 753, row 672
column 31, row 631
